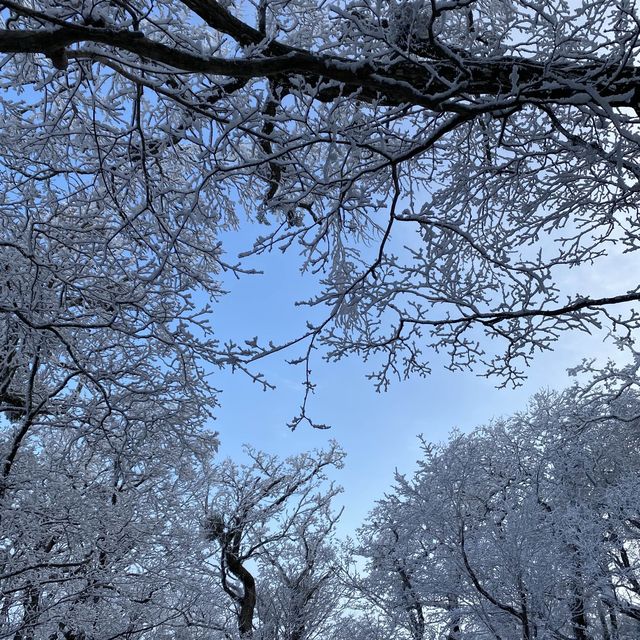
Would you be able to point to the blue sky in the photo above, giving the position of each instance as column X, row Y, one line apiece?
column 377, row 430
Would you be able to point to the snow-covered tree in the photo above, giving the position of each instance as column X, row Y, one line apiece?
column 102, row 409
column 97, row 533
column 527, row 528
column 272, row 526
column 439, row 163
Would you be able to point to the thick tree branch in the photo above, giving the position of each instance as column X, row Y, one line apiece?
column 437, row 85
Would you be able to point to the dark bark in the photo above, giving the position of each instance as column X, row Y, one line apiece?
column 454, row 625
column 606, row 635
column 413, row 606
column 230, row 562
column 247, row 600
column 579, row 622
column 439, row 83
column 521, row 616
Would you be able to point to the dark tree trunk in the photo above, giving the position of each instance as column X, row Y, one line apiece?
column 247, row 601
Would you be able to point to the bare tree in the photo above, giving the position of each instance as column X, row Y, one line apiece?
column 98, row 531
column 272, row 523
column 441, row 164
column 523, row 529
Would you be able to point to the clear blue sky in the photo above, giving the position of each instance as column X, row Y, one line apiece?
column 378, row 431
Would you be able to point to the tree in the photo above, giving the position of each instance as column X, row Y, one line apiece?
column 97, row 535
column 525, row 528
column 105, row 538
column 274, row 532
column 302, row 596
column 105, row 402
column 502, row 135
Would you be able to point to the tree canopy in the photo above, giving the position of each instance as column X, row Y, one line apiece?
column 525, row 528
column 440, row 165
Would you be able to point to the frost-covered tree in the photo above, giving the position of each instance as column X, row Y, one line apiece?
column 151, row 539
column 439, row 163
column 102, row 409
column 527, row 528
column 274, row 550
column 301, row 595
column 97, row 531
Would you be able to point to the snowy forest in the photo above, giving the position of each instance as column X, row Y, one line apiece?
column 442, row 174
